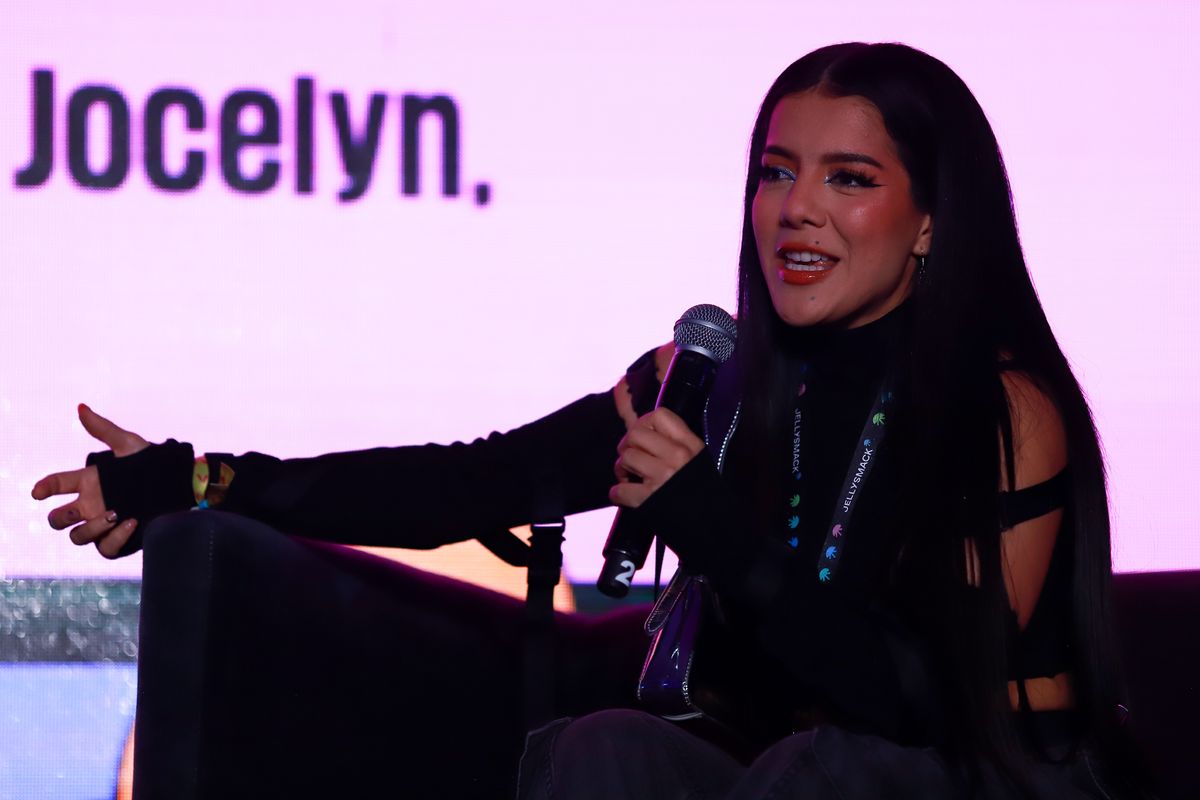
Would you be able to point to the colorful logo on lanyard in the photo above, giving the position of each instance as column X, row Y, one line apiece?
column 856, row 477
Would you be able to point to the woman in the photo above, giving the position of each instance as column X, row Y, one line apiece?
column 879, row 249
column 951, row 634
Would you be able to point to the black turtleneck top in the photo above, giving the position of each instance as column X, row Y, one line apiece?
column 843, row 372
column 845, row 649
column 834, row 651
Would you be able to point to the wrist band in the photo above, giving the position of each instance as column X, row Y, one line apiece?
column 200, row 482
column 209, row 493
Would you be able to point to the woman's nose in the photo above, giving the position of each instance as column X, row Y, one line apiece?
column 802, row 205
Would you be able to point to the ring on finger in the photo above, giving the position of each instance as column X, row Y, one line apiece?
column 93, row 528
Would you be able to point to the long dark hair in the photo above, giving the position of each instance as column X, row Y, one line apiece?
column 974, row 304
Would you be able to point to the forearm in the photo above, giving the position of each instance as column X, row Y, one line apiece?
column 428, row 495
column 419, row 496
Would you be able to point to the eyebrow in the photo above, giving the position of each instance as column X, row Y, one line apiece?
column 827, row 158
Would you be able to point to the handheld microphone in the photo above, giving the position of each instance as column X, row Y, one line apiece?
column 704, row 339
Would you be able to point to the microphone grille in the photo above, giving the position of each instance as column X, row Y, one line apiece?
column 707, row 329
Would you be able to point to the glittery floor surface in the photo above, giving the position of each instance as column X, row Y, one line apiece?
column 68, row 680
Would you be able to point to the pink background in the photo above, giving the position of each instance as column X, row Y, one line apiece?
column 614, row 138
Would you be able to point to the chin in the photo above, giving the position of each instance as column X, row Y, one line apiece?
column 800, row 318
column 802, row 312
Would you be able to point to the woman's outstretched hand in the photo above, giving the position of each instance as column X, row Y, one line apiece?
column 657, row 446
column 92, row 520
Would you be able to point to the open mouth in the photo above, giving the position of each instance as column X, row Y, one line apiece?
column 805, row 266
column 807, row 260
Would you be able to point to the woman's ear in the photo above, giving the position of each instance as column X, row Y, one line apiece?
column 924, row 236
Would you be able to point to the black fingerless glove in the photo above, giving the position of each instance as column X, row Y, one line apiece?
column 642, row 379
column 145, row 485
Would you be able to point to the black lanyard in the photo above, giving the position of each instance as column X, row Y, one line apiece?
column 857, row 473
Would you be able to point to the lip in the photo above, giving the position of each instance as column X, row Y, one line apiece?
column 798, row 278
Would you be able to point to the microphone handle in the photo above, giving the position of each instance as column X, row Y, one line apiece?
column 684, row 390
column 686, row 387
column 624, row 553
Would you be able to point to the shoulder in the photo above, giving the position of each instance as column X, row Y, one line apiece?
column 1039, row 440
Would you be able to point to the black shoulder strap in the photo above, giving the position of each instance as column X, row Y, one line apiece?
column 1034, row 501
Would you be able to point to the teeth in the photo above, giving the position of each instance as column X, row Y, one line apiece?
column 805, row 256
column 807, row 261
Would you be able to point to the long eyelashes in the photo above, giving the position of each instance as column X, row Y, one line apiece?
column 842, row 178
column 770, row 173
column 851, row 178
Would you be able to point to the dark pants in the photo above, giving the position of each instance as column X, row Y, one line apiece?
column 630, row 754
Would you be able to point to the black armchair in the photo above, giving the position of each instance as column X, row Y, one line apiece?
column 244, row 691
column 319, row 671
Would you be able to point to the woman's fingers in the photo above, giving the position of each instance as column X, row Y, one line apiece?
column 669, row 424
column 119, row 440
column 662, row 435
column 639, row 438
column 644, row 454
column 85, row 482
column 653, row 450
column 108, row 535
column 94, row 528
column 87, row 513
column 663, row 445
column 651, row 468
column 110, row 546
column 57, row 483
column 629, row 495
column 66, row 516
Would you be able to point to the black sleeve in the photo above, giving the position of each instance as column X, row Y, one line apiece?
column 429, row 495
column 420, row 496
column 861, row 660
